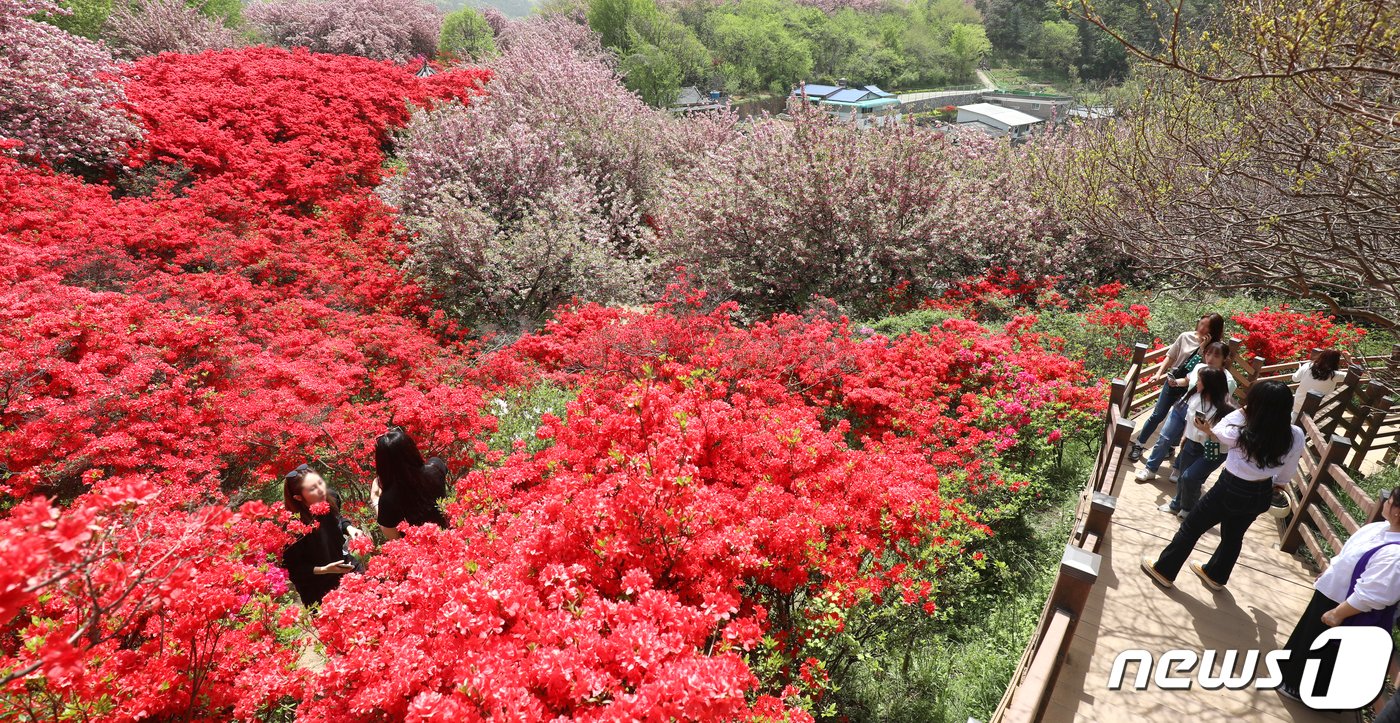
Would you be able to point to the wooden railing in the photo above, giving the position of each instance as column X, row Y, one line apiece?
column 1034, row 679
column 1354, row 407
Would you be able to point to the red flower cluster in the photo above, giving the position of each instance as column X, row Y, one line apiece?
column 1283, row 334
column 158, row 350
column 998, row 289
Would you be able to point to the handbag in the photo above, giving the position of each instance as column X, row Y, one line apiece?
column 1383, row 618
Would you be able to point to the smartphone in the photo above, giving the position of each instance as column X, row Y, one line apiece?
column 1200, row 418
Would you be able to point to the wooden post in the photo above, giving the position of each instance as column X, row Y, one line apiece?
column 1366, row 436
column 1140, row 351
column 1311, row 403
column 1079, row 570
column 1352, row 426
column 1337, row 449
column 1101, row 508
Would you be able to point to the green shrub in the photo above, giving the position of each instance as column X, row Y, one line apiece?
column 518, row 414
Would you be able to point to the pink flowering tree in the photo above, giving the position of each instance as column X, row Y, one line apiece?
column 791, row 210
column 538, row 193
column 380, row 29
column 59, row 96
column 149, row 27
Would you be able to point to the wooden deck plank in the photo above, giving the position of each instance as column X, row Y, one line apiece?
column 1267, row 592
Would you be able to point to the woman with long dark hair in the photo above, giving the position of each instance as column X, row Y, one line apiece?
column 1215, row 356
column 409, row 489
column 1317, row 375
column 1207, row 404
column 317, row 559
column 1262, row 450
column 1182, row 356
column 1361, row 586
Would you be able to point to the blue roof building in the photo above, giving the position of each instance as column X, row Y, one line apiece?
column 867, row 105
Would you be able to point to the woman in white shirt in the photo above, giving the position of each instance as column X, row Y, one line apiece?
column 1215, row 355
column 1208, row 404
column 1182, row 356
column 1319, row 375
column 1262, row 452
column 1362, row 580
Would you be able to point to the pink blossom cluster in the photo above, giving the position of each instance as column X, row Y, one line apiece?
column 60, row 100
column 148, row 27
column 380, row 29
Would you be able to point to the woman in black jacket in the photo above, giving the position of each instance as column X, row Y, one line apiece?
column 408, row 489
column 317, row 559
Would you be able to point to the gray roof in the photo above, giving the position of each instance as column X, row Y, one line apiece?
column 690, row 95
column 1009, row 116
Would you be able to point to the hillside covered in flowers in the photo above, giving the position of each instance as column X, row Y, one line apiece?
column 688, row 486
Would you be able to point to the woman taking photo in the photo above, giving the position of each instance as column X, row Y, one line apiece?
column 1182, row 356
column 315, row 562
column 1216, row 354
column 1262, row 450
column 1207, row 405
column 1360, row 587
column 407, row 489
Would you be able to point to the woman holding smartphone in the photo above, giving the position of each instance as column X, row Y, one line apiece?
column 1200, row 453
column 1182, row 356
column 317, row 559
column 1216, row 354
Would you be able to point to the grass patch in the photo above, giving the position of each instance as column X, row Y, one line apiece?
column 1053, row 81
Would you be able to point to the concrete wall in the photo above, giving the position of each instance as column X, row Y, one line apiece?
column 919, row 106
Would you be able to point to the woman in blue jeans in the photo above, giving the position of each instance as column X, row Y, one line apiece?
column 1262, row 452
column 1216, row 354
column 1208, row 404
column 1182, row 356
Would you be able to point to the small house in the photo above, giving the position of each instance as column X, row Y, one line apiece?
column 1040, row 105
column 691, row 100
column 865, row 106
column 997, row 120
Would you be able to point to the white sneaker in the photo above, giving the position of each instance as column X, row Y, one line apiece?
column 1182, row 514
column 1145, row 474
column 1168, row 508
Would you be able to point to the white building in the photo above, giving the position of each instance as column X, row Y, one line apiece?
column 997, row 120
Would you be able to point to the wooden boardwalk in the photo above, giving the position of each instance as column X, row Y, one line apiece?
column 1267, row 592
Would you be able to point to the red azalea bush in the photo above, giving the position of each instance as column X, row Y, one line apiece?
column 1283, row 334
column 713, row 492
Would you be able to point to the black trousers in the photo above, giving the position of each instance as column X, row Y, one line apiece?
column 1232, row 503
column 1309, row 626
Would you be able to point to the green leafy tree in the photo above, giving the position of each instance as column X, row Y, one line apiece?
column 653, row 74
column 966, row 45
column 614, row 20
column 86, row 19
column 466, row 34
column 1056, row 46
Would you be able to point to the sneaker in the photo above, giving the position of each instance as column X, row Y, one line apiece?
column 1149, row 566
column 1201, row 573
column 1135, row 454
column 1145, row 474
column 1168, row 508
column 1183, row 513
column 1289, row 693
column 1176, row 477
